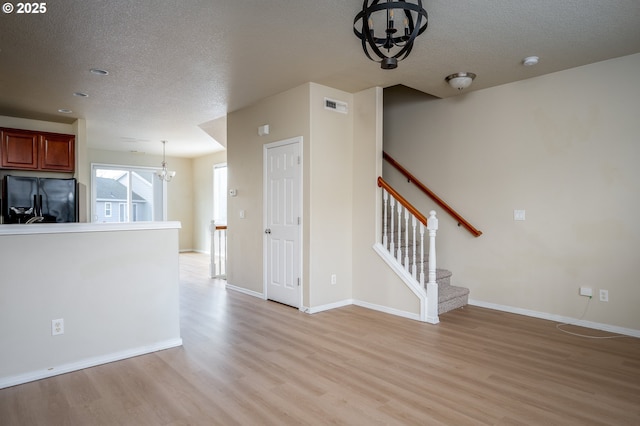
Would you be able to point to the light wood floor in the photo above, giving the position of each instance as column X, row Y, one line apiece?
column 250, row 362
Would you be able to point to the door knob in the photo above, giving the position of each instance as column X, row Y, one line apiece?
column 267, row 231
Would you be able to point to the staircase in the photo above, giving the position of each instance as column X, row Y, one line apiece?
column 403, row 248
column 450, row 297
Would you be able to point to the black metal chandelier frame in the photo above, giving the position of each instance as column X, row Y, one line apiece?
column 374, row 46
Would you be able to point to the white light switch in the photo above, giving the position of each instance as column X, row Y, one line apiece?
column 241, row 214
column 518, row 215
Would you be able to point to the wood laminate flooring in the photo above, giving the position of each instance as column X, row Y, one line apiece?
column 246, row 361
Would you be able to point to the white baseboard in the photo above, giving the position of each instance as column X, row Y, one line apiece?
column 328, row 306
column 557, row 318
column 244, row 290
column 367, row 305
column 387, row 310
column 6, row 382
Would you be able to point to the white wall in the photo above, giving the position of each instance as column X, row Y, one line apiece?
column 564, row 147
column 116, row 291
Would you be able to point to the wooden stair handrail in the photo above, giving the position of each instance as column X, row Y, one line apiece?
column 432, row 195
column 221, row 227
column 407, row 205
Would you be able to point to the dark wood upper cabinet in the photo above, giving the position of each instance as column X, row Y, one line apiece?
column 57, row 152
column 30, row 150
column 19, row 149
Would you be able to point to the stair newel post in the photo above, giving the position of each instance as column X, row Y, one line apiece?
column 413, row 264
column 385, row 201
column 392, row 203
column 399, row 255
column 432, row 285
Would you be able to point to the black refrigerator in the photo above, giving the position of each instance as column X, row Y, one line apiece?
column 54, row 200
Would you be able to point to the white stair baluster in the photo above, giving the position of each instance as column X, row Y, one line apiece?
column 413, row 264
column 392, row 243
column 421, row 255
column 406, row 239
column 385, row 201
column 399, row 255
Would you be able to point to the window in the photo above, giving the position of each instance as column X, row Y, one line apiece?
column 220, row 194
column 140, row 196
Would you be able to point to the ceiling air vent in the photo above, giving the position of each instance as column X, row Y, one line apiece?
column 337, row 106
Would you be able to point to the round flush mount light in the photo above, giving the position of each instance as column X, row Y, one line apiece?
column 65, row 111
column 530, row 61
column 98, row 71
column 80, row 94
column 460, row 80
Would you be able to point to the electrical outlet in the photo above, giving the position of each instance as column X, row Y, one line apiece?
column 57, row 326
column 586, row 291
column 604, row 295
column 334, row 279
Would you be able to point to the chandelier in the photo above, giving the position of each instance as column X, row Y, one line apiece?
column 164, row 174
column 384, row 44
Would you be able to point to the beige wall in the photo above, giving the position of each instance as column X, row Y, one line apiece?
column 564, row 147
column 330, row 196
column 288, row 116
column 327, row 190
column 374, row 283
column 180, row 200
column 203, row 198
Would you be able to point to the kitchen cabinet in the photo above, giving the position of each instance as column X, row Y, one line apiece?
column 31, row 150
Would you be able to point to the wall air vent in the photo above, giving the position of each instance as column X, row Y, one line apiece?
column 337, row 106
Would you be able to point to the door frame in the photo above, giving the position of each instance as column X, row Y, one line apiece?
column 299, row 141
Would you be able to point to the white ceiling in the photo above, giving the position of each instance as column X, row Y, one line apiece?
column 177, row 66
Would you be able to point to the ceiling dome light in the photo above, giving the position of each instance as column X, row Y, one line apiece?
column 530, row 61
column 80, row 94
column 460, row 80
column 386, row 43
column 65, row 111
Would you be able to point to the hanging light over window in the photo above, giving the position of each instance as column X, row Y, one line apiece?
column 164, row 174
column 388, row 28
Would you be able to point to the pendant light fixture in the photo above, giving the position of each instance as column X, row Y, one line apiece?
column 164, row 174
column 377, row 26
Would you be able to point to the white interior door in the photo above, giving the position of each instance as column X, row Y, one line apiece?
column 282, row 221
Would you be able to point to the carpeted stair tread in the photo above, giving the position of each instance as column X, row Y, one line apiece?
column 452, row 297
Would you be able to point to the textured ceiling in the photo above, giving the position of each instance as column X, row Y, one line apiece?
column 175, row 67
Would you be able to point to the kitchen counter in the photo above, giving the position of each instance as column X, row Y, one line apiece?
column 65, row 228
